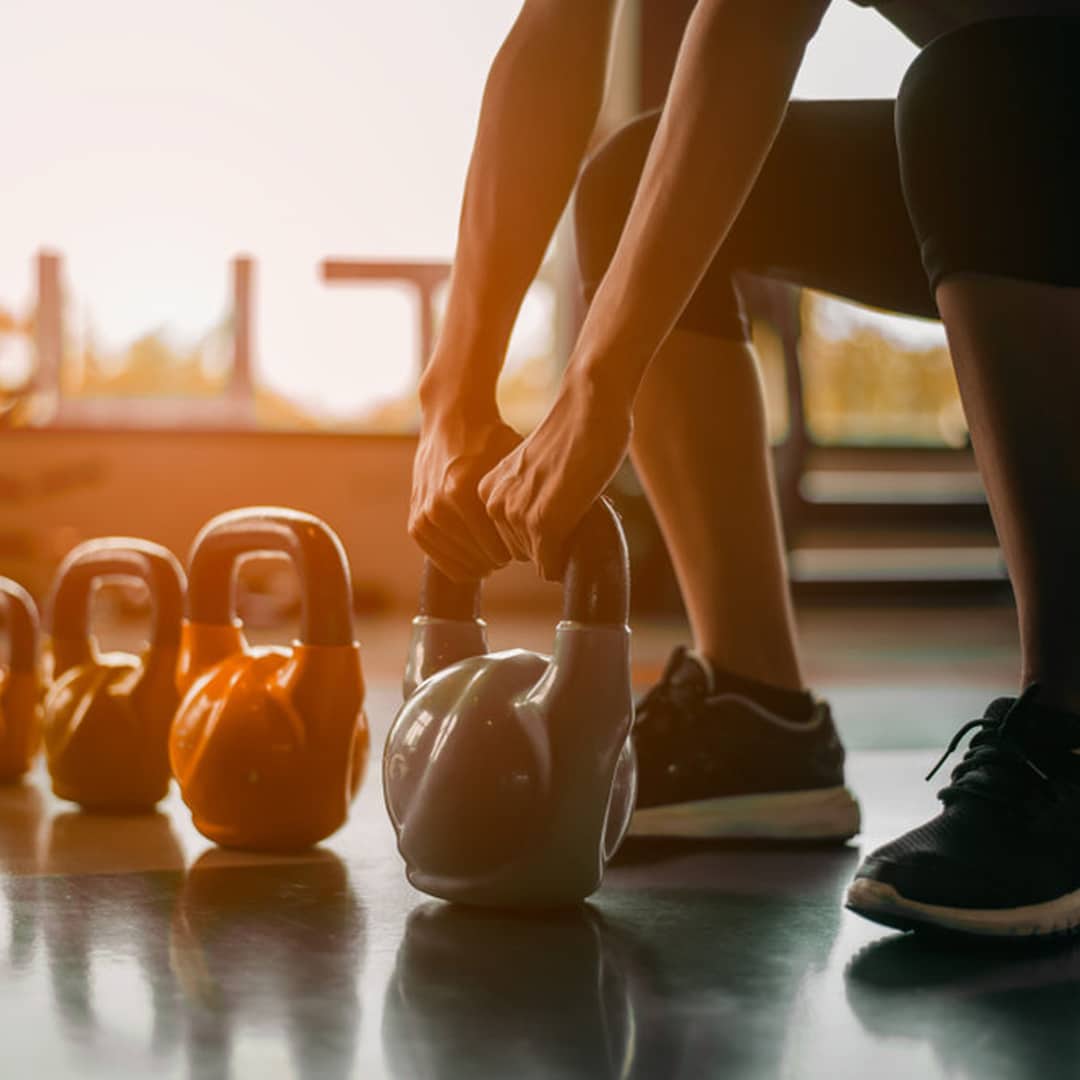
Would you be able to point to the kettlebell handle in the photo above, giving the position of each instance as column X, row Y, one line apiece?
column 310, row 544
column 22, row 625
column 117, row 557
column 596, row 582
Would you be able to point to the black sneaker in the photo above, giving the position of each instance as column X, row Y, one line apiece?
column 714, row 761
column 1002, row 859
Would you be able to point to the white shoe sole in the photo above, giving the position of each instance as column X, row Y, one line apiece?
column 882, row 903
column 821, row 814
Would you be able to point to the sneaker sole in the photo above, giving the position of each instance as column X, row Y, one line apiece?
column 819, row 814
column 881, row 903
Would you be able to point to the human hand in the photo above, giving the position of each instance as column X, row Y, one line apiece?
column 446, row 517
column 538, row 493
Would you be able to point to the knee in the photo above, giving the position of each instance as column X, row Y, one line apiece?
column 602, row 201
column 604, row 193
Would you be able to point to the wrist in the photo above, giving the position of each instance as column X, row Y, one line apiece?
column 611, row 355
column 603, row 380
column 458, row 390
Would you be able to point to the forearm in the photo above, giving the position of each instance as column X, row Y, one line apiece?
column 540, row 106
column 728, row 96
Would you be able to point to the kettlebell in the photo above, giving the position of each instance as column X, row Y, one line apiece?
column 107, row 715
column 269, row 744
column 510, row 777
column 20, row 706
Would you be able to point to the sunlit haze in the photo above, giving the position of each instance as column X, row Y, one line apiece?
column 150, row 143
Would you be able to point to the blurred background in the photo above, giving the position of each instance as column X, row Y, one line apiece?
column 227, row 230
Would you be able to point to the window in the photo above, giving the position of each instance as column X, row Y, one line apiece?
column 875, row 379
column 154, row 143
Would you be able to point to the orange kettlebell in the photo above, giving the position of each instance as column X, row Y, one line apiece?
column 20, row 709
column 107, row 715
column 269, row 744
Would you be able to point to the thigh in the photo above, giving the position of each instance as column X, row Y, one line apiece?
column 828, row 210
column 988, row 124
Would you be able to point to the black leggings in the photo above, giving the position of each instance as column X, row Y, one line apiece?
column 975, row 168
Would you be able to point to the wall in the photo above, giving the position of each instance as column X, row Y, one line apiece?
column 58, row 487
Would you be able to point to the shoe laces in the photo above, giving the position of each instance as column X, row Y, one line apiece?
column 996, row 765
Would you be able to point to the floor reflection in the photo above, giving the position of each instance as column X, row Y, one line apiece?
column 22, row 827
column 499, row 994
column 694, row 960
column 23, row 816
column 275, row 947
column 673, row 982
column 103, row 936
column 722, row 969
column 145, row 971
column 992, row 1012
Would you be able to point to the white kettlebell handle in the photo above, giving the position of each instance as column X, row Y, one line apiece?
column 596, row 582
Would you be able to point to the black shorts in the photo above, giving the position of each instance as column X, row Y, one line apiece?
column 988, row 125
column 974, row 169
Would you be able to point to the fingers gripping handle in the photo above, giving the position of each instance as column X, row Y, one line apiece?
column 596, row 583
column 117, row 557
column 20, row 615
column 314, row 549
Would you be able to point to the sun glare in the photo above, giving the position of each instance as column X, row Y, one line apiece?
column 149, row 144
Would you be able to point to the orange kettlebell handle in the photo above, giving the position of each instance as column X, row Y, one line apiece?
column 314, row 549
column 129, row 558
column 22, row 626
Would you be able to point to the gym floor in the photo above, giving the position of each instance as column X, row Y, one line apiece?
column 132, row 947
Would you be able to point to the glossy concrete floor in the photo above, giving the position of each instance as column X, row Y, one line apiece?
column 132, row 947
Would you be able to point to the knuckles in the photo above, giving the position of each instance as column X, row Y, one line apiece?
column 494, row 501
column 488, row 490
column 456, row 488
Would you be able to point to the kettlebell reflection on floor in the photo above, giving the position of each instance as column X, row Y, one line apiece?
column 680, row 981
column 486, row 993
column 276, row 948
column 147, row 964
column 98, row 926
column 22, row 830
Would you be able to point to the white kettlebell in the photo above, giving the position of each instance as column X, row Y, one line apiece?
column 510, row 777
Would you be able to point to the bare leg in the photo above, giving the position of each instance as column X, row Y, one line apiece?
column 1016, row 347
column 700, row 446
